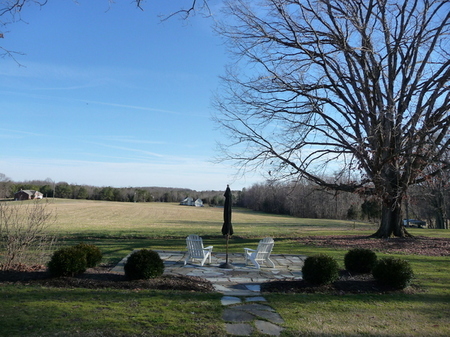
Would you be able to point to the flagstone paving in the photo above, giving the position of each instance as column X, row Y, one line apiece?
column 246, row 310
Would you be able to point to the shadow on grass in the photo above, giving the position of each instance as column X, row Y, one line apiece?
column 45, row 311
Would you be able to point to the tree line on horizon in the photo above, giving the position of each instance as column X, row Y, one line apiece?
column 107, row 193
column 428, row 202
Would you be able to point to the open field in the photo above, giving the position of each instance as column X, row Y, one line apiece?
column 118, row 228
column 167, row 219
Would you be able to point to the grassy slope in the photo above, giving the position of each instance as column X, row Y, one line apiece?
column 118, row 228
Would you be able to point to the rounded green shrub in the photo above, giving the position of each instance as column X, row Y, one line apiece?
column 67, row 262
column 320, row 269
column 93, row 254
column 144, row 264
column 360, row 260
column 393, row 272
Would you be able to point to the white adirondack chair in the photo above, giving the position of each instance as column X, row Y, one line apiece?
column 195, row 249
column 260, row 254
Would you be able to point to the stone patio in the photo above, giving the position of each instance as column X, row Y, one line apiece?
column 241, row 280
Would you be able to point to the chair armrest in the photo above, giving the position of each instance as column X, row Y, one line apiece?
column 208, row 248
column 250, row 250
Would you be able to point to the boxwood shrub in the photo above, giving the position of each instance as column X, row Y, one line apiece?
column 144, row 264
column 360, row 260
column 67, row 262
column 393, row 272
column 320, row 269
column 93, row 254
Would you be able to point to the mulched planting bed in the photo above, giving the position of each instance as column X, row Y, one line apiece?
column 347, row 284
column 102, row 278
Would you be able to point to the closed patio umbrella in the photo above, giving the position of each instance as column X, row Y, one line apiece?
column 227, row 228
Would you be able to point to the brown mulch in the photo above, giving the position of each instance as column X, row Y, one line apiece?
column 102, row 278
column 419, row 245
column 347, row 284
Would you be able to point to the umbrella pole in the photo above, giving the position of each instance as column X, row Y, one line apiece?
column 226, row 265
column 226, row 259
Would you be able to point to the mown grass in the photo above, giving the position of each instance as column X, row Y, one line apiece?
column 424, row 312
column 118, row 228
column 363, row 315
column 68, row 312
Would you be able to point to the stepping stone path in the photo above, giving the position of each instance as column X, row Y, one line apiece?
column 243, row 315
column 246, row 311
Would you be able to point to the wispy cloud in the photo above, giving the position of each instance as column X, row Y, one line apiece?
column 112, row 104
column 20, row 132
column 61, row 77
column 133, row 107
column 129, row 139
column 55, row 71
column 123, row 148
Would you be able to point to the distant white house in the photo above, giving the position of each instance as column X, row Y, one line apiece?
column 188, row 201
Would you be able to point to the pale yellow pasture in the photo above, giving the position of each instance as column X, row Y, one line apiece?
column 88, row 217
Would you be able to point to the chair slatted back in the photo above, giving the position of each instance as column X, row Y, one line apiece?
column 195, row 246
column 264, row 249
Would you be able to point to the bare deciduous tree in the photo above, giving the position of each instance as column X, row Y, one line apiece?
column 23, row 232
column 5, row 182
column 344, row 85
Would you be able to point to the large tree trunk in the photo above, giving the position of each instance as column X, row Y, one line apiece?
column 391, row 220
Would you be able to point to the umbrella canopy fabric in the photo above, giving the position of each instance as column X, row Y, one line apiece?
column 227, row 228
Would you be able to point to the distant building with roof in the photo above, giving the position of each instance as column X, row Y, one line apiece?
column 188, row 201
column 28, row 195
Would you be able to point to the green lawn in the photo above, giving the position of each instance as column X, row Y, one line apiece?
column 118, row 228
column 33, row 311
column 425, row 313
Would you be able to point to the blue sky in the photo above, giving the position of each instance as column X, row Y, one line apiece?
column 111, row 96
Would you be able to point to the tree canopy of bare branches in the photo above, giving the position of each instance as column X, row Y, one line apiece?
column 341, row 85
column 23, row 233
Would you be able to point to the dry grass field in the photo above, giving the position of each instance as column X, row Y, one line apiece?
column 99, row 218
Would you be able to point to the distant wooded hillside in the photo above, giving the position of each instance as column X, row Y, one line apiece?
column 427, row 202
